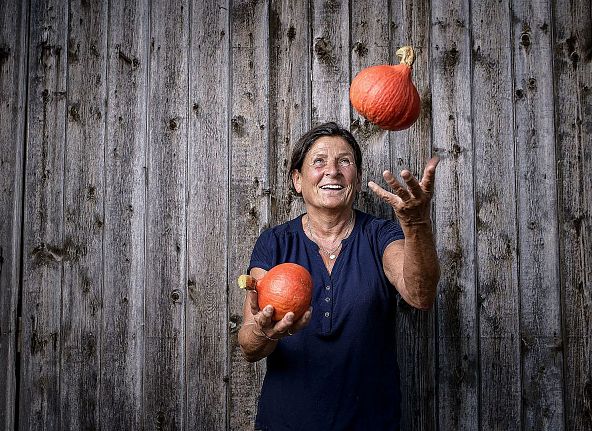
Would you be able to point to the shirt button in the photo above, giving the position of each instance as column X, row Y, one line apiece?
column 328, row 287
column 327, row 299
column 327, row 314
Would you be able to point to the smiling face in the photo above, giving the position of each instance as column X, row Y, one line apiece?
column 328, row 178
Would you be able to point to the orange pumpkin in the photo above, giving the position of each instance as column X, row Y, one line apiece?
column 287, row 287
column 386, row 95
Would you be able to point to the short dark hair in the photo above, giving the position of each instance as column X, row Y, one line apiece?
column 309, row 138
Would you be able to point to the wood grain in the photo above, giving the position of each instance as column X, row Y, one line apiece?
column 538, row 254
column 206, row 349
column 166, row 221
column 250, row 190
column 572, row 65
column 454, row 217
column 122, row 340
column 410, row 149
column 369, row 47
column 84, row 190
column 496, row 231
column 13, row 80
column 330, row 61
column 289, row 99
column 44, row 246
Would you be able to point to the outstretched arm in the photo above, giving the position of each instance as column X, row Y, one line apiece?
column 411, row 265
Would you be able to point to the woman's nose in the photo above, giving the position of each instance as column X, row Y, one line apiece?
column 332, row 167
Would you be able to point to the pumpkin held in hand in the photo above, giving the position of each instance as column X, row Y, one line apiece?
column 287, row 286
column 385, row 94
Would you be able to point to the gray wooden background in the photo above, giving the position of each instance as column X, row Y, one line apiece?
column 144, row 145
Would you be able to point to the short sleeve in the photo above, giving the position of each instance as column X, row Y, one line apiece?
column 389, row 231
column 261, row 257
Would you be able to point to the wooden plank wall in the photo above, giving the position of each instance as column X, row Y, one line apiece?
column 145, row 144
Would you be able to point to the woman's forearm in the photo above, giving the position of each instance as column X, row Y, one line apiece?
column 412, row 265
column 421, row 269
column 254, row 345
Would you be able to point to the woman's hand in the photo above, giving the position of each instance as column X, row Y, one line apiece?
column 411, row 204
column 269, row 329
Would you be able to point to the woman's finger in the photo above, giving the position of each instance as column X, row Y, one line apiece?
column 263, row 318
column 283, row 326
column 253, row 303
column 412, row 183
column 388, row 197
column 300, row 323
column 398, row 189
column 429, row 175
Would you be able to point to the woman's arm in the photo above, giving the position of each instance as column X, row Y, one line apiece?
column 411, row 265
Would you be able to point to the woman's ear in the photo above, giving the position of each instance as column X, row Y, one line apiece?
column 359, row 185
column 297, row 181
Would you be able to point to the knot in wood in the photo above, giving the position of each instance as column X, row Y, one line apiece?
column 176, row 295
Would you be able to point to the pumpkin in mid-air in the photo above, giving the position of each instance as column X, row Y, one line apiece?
column 386, row 95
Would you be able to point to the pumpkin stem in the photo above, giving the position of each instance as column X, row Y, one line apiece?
column 247, row 282
column 406, row 55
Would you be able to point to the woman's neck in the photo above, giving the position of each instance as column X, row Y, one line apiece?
column 328, row 227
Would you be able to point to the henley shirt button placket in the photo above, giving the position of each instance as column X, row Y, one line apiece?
column 327, row 299
column 327, row 309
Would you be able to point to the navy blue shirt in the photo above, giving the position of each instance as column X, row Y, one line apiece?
column 340, row 372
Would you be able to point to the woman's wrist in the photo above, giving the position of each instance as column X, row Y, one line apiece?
column 260, row 333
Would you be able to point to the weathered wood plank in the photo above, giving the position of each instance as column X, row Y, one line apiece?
column 540, row 301
column 250, row 189
column 44, row 248
column 207, row 217
column 411, row 149
column 166, row 226
column 289, row 99
column 457, row 332
column 13, row 85
column 573, row 137
column 495, row 197
column 369, row 47
column 330, row 61
column 122, row 347
column 82, row 277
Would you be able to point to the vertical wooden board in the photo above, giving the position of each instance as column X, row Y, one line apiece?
column 83, row 215
column 457, row 332
column 289, row 99
column 540, row 301
column 249, row 185
column 166, row 227
column 44, row 248
column 330, row 61
column 122, row 348
column 207, row 217
column 410, row 25
column 573, row 124
column 411, row 149
column 495, row 198
column 370, row 47
column 13, row 86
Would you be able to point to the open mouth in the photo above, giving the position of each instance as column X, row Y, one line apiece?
column 331, row 187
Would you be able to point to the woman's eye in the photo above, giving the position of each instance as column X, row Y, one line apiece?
column 345, row 162
column 318, row 162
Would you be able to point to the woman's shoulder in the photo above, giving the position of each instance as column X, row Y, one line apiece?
column 374, row 225
column 372, row 221
column 288, row 228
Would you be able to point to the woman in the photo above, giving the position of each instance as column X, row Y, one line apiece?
column 335, row 368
